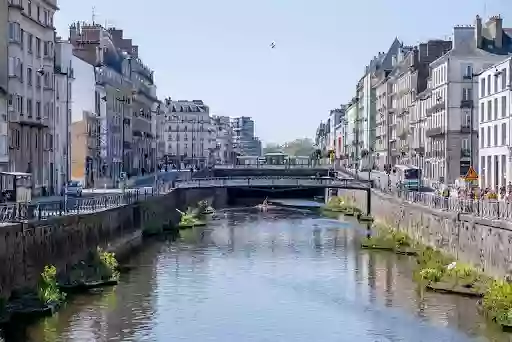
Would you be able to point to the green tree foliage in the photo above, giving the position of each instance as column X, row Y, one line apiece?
column 297, row 147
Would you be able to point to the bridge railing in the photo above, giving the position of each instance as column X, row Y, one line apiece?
column 272, row 181
column 270, row 166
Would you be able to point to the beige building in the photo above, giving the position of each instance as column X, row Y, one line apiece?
column 31, row 90
column 85, row 147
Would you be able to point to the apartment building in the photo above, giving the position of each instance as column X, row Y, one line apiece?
column 190, row 134
column 64, row 77
column 495, row 115
column 366, row 94
column 244, row 139
column 383, row 107
column 335, row 117
column 31, row 95
column 144, row 104
column 113, row 90
column 159, row 133
column 353, row 145
column 408, row 79
column 452, row 117
column 223, row 152
column 4, row 82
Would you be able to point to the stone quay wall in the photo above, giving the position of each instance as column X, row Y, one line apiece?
column 485, row 244
column 25, row 248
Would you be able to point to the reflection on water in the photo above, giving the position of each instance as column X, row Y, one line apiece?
column 276, row 276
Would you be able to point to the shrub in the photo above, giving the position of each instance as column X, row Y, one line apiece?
column 108, row 264
column 431, row 274
column 497, row 302
column 48, row 290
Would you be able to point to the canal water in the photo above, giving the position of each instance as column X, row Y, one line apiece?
column 281, row 275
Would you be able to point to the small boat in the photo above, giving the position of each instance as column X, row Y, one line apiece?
column 264, row 205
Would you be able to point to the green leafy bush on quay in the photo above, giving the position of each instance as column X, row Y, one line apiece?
column 109, row 267
column 433, row 275
column 386, row 237
column 48, row 291
column 462, row 274
column 497, row 302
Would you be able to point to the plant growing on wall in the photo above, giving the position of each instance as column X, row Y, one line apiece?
column 48, row 290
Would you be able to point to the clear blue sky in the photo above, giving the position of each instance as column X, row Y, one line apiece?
column 218, row 50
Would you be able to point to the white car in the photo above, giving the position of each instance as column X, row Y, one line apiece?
column 73, row 188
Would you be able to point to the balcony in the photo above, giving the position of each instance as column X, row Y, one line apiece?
column 437, row 107
column 465, row 128
column 465, row 153
column 402, row 131
column 434, row 132
column 466, row 104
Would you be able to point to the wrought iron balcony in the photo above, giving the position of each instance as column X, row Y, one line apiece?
column 438, row 106
column 435, row 131
column 465, row 153
column 465, row 128
column 466, row 104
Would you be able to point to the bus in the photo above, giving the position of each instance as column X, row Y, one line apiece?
column 409, row 177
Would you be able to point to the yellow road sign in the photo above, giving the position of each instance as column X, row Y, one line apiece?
column 471, row 175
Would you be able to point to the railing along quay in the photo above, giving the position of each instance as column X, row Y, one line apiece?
column 482, row 208
column 20, row 212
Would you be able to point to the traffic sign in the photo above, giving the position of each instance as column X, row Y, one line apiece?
column 471, row 175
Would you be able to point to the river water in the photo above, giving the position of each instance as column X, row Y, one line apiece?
column 282, row 275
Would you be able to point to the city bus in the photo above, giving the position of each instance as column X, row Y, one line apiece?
column 409, row 177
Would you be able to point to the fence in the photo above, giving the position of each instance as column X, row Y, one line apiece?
column 483, row 208
column 19, row 212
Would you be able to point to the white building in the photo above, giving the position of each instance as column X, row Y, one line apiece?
column 223, row 152
column 190, row 134
column 31, row 96
column 494, row 140
column 452, row 117
column 64, row 76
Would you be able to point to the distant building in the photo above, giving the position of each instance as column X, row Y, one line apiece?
column 85, row 134
column 223, row 152
column 244, row 140
column 190, row 133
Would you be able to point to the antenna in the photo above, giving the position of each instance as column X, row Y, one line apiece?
column 485, row 9
column 93, row 14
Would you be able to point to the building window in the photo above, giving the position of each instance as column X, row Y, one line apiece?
column 29, row 76
column 488, row 136
column 482, row 87
column 504, row 134
column 38, row 109
column 29, row 108
column 496, row 108
column 496, row 78
column 466, row 94
column 482, row 112
column 503, row 78
column 489, row 110
column 38, row 47
column 495, row 140
column 488, row 84
column 29, row 42
column 504, row 107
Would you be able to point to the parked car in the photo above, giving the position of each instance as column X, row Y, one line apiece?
column 73, row 188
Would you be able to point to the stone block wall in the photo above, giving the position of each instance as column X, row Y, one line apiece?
column 486, row 244
column 25, row 248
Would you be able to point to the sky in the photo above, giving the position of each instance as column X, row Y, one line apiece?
column 218, row 50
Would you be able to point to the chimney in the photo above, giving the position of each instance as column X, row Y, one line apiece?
column 478, row 32
column 495, row 25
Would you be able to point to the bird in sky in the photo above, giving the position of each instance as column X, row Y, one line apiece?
column 273, row 45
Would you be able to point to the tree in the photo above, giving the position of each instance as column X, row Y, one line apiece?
column 297, row 147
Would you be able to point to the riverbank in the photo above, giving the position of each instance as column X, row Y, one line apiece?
column 28, row 248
